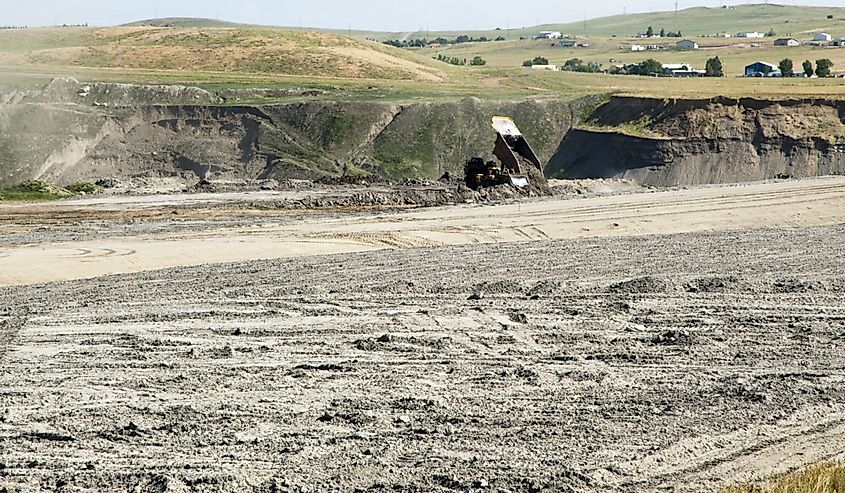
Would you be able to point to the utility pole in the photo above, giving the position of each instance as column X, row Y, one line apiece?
column 676, row 7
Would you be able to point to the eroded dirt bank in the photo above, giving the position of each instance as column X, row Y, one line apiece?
column 73, row 131
column 581, row 365
column 687, row 142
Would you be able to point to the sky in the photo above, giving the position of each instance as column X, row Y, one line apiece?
column 378, row 15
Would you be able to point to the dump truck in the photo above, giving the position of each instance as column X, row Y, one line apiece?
column 517, row 160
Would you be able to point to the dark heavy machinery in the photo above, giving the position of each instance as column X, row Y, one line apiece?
column 517, row 159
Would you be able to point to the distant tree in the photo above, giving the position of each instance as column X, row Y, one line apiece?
column 463, row 38
column 662, row 33
column 680, row 35
column 823, row 67
column 785, row 67
column 536, row 61
column 578, row 65
column 651, row 67
column 808, row 68
column 572, row 63
column 771, row 33
column 714, row 68
column 649, row 32
column 500, row 38
column 478, row 61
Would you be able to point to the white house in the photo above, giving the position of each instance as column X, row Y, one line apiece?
column 822, row 37
column 686, row 44
column 787, row 42
column 749, row 35
column 549, row 35
column 637, row 48
column 552, row 68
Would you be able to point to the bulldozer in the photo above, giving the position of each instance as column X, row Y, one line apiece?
column 517, row 160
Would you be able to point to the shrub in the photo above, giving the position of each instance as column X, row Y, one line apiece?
column 82, row 187
column 478, row 61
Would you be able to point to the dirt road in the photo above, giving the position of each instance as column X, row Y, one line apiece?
column 699, row 342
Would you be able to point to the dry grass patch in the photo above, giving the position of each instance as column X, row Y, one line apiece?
column 821, row 478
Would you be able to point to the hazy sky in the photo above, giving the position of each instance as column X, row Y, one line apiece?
column 382, row 15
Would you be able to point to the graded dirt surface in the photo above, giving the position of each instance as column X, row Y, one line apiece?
column 168, row 235
column 678, row 340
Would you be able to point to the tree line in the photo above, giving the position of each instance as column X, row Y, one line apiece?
column 663, row 34
column 823, row 68
column 477, row 61
column 423, row 42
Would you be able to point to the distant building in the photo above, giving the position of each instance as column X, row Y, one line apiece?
column 822, row 37
column 787, row 42
column 839, row 42
column 552, row 68
column 637, row 48
column 760, row 69
column 749, row 35
column 549, row 35
column 682, row 70
column 686, row 44
column 568, row 44
column 724, row 35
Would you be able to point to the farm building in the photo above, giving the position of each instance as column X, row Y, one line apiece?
column 749, row 35
column 758, row 69
column 568, row 44
column 787, row 42
column 822, row 37
column 686, row 44
column 637, row 48
column 551, row 68
column 549, row 35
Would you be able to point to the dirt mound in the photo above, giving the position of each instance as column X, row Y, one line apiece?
column 712, row 284
column 640, row 285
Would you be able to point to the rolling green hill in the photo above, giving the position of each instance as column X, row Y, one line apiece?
column 698, row 21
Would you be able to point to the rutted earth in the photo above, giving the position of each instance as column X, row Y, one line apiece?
column 676, row 340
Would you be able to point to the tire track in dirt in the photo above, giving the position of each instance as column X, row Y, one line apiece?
column 10, row 325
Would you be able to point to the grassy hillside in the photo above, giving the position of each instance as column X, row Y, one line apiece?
column 698, row 21
column 183, row 22
column 226, row 50
column 252, row 65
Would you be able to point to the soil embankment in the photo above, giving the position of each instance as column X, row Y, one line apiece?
column 73, row 131
column 690, row 142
